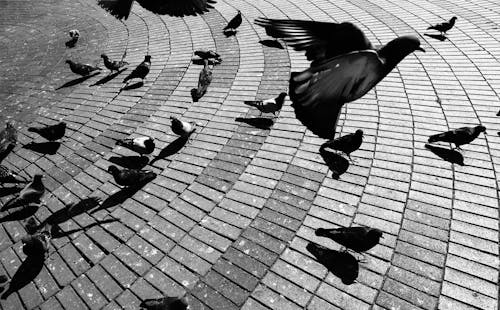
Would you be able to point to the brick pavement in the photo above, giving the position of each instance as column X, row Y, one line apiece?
column 227, row 220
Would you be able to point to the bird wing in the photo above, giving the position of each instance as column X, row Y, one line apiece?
column 319, row 92
column 118, row 8
column 320, row 40
column 177, row 7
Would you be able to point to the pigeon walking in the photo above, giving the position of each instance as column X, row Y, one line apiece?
column 346, row 144
column 272, row 105
column 8, row 140
column 182, row 128
column 460, row 136
column 204, row 80
column 51, row 132
column 141, row 145
column 345, row 66
column 31, row 193
column 233, row 24
column 131, row 177
column 113, row 65
column 9, row 176
column 81, row 69
column 165, row 303
column 140, row 71
column 444, row 27
column 358, row 239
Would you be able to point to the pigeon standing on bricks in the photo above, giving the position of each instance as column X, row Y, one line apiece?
column 182, row 128
column 345, row 66
column 113, row 65
column 460, row 136
column 51, row 132
column 164, row 303
column 8, row 140
column 141, row 145
column 272, row 105
column 204, row 80
column 346, row 144
column 444, row 27
column 140, row 71
column 31, row 193
column 358, row 239
column 233, row 24
column 130, row 177
column 81, row 69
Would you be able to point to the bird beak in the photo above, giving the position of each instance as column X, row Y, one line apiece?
column 420, row 49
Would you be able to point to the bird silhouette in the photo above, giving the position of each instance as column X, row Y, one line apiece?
column 8, row 140
column 121, row 8
column 81, row 69
column 31, row 193
column 346, row 144
column 141, row 145
column 204, row 80
column 165, row 303
column 344, row 67
column 208, row 54
column 272, row 105
column 140, row 71
column 51, row 132
column 182, row 128
column 131, row 177
column 37, row 243
column 9, row 176
column 460, row 136
column 113, row 65
column 445, row 26
column 340, row 263
column 358, row 239
column 233, row 24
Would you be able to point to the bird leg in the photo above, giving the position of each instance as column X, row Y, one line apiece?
column 350, row 159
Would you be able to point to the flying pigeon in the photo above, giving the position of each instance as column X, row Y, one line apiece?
column 131, row 177
column 460, row 136
column 233, row 24
column 182, row 128
column 358, row 239
column 9, row 176
column 8, row 140
column 113, row 65
column 32, row 192
column 346, row 144
column 165, row 303
column 51, row 132
column 81, row 69
column 140, row 71
column 203, row 81
column 345, row 67
column 141, row 145
column 272, row 105
column 444, row 27
column 121, row 8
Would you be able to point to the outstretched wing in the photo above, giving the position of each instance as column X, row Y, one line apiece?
column 319, row 92
column 118, row 8
column 320, row 40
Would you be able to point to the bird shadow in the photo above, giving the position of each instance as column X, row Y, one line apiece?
column 230, row 32
column 451, row 156
column 257, row 122
column 48, row 148
column 6, row 191
column 108, row 77
column 200, row 61
column 20, row 213
column 342, row 264
column 118, row 198
column 130, row 162
column 335, row 162
column 133, row 86
column 439, row 37
column 27, row 272
column 272, row 43
column 71, row 210
column 77, row 81
column 172, row 148
column 6, row 153
column 57, row 232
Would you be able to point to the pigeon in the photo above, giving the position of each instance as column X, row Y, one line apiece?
column 444, row 27
column 342, row 264
column 81, row 69
column 164, row 303
column 344, row 67
column 208, row 54
column 131, row 177
column 460, row 136
column 9, row 176
column 31, row 225
column 74, row 35
column 121, row 8
column 51, row 132
column 141, row 145
column 182, row 128
column 346, row 144
column 36, row 244
column 358, row 239
column 8, row 140
column 233, row 24
column 203, row 81
column 113, row 65
column 140, row 71
column 32, row 192
column 272, row 105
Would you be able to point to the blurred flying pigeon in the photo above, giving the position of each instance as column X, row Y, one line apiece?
column 460, row 136
column 272, row 105
column 113, row 65
column 31, row 225
column 140, row 71
column 131, row 177
column 141, row 145
column 203, row 81
column 182, row 128
column 31, row 193
column 346, row 144
column 121, row 8
column 345, row 67
column 9, row 176
column 8, row 140
column 165, row 303
column 51, row 132
column 444, row 27
column 358, row 239
column 81, row 69
column 233, row 24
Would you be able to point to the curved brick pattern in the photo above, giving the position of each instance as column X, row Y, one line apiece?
column 228, row 218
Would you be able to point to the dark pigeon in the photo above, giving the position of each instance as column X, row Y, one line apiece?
column 233, row 24
column 444, row 27
column 121, row 8
column 8, row 140
column 31, row 193
column 81, row 69
column 358, row 239
column 340, row 263
column 165, row 303
column 51, row 132
column 346, row 144
column 460, row 136
column 113, row 65
column 9, row 176
column 36, row 244
column 204, row 80
column 140, row 71
column 272, row 105
column 131, row 177
column 141, row 145
column 182, row 128
column 345, row 67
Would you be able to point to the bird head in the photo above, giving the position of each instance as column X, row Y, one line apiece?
column 147, row 58
column 69, row 61
column 375, row 234
column 394, row 51
column 104, row 56
column 481, row 128
column 74, row 33
column 113, row 169
column 38, row 178
column 359, row 132
column 239, row 12
column 149, row 143
column 454, row 18
column 282, row 95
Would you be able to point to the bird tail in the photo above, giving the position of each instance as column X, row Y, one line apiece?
column 435, row 138
column 254, row 103
column 194, row 95
column 431, row 27
column 323, row 232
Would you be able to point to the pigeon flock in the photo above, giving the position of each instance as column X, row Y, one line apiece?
column 338, row 74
